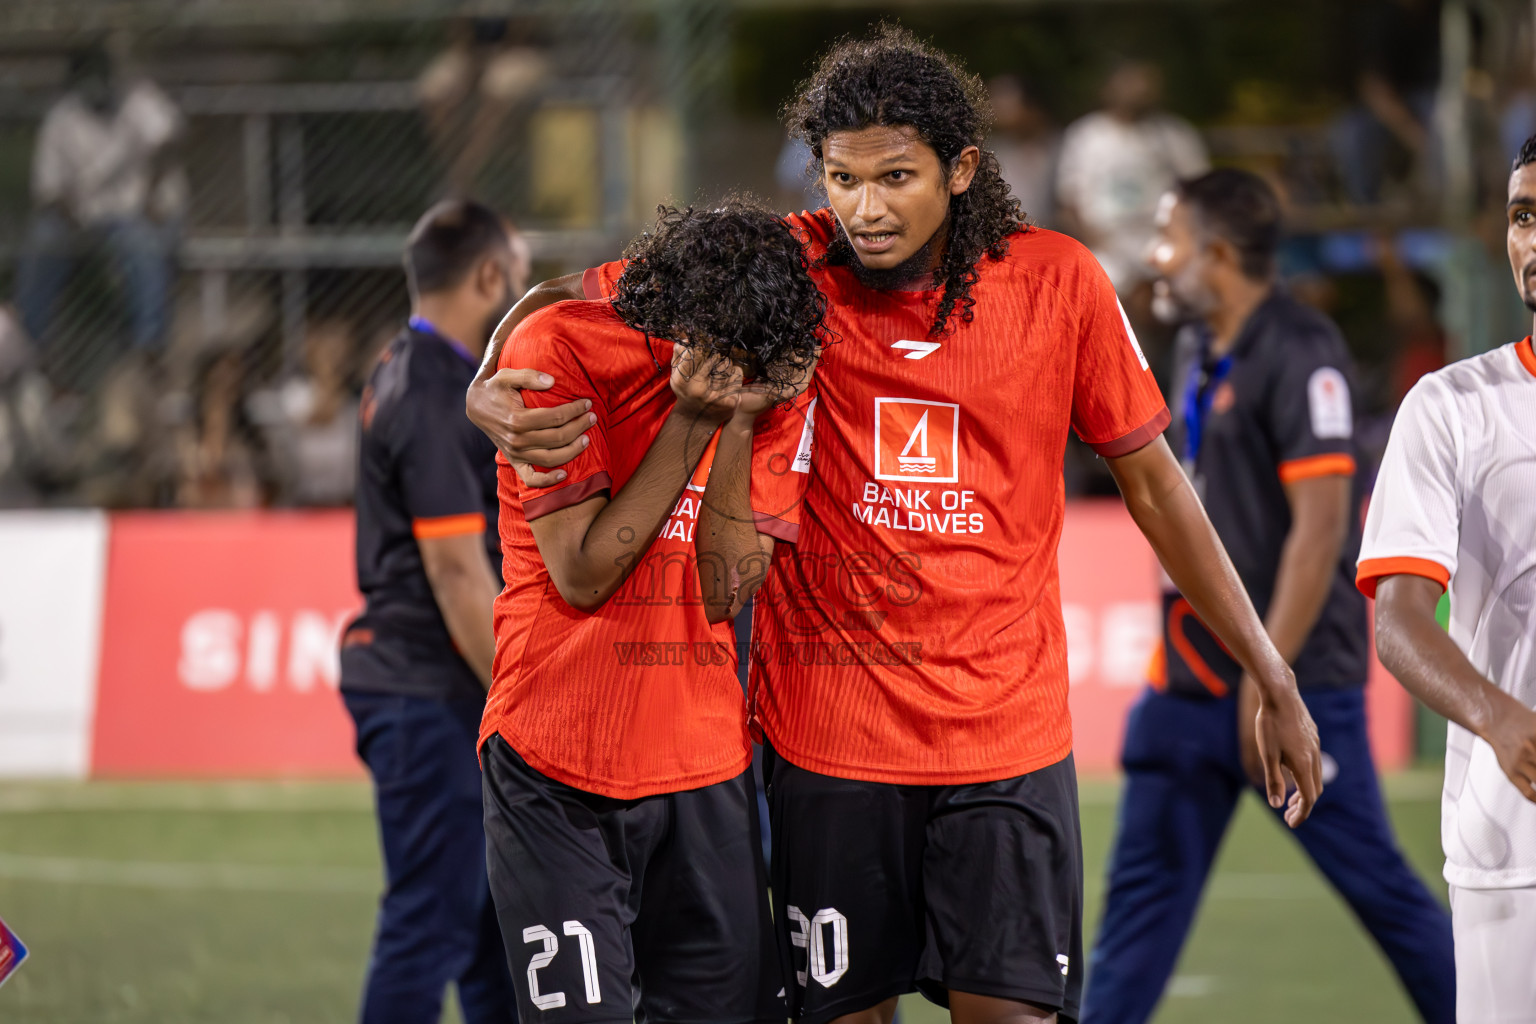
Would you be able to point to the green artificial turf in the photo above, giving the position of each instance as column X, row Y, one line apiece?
column 229, row 903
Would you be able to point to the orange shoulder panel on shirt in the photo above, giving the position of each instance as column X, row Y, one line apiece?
column 1373, row 569
column 1526, row 350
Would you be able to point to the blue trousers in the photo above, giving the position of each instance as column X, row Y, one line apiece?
column 436, row 922
column 1183, row 778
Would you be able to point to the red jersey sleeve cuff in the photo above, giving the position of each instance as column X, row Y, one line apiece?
column 1372, row 570
column 448, row 526
column 565, row 497
column 778, row 529
column 1330, row 464
column 591, row 283
column 1136, row 439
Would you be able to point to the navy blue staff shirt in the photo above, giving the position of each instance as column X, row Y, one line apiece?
column 424, row 471
column 1278, row 410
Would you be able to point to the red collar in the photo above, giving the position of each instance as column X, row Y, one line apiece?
column 1526, row 350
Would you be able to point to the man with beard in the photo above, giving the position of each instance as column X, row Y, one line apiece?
column 909, row 660
column 1266, row 435
column 1454, row 511
column 416, row 664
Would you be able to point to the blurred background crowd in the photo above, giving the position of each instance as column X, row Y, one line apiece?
column 202, row 206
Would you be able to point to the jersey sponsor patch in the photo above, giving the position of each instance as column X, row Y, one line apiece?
column 1328, row 403
column 1130, row 335
column 917, row 440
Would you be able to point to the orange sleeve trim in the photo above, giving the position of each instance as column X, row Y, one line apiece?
column 1136, row 439
column 565, row 497
column 1373, row 569
column 778, row 529
column 1331, row 464
column 1526, row 350
column 448, row 526
column 591, row 283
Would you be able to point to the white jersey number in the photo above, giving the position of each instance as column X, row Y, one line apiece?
column 543, row 958
column 828, row 960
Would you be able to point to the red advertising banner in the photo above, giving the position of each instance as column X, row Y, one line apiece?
column 220, row 646
column 220, row 638
column 1109, row 596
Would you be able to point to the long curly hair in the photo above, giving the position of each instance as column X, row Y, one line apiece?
column 731, row 280
column 893, row 79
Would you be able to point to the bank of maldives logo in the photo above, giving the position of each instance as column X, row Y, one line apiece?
column 917, row 440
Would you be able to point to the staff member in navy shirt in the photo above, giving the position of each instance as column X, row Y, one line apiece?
column 1267, row 437
column 416, row 664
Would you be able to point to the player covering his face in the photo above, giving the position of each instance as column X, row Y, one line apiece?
column 621, row 817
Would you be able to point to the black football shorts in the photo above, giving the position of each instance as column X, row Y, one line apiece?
column 648, row 910
column 882, row 889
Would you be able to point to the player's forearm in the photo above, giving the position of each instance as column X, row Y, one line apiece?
column 1308, row 561
column 1424, row 658
column 1169, row 514
column 465, row 596
column 732, row 564
column 621, row 533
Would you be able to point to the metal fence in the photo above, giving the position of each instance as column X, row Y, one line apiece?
column 573, row 120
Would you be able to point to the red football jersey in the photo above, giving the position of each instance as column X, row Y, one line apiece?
column 640, row 696
column 914, row 635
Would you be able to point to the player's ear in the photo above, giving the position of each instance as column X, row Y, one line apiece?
column 964, row 169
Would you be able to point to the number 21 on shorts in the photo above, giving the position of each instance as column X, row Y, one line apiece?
column 824, row 937
column 543, row 958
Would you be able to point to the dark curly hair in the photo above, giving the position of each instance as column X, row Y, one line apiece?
column 893, row 79
column 731, row 280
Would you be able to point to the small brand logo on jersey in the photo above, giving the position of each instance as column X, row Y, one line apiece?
column 917, row 440
column 918, row 349
column 1224, row 398
column 1065, row 962
column 1328, row 403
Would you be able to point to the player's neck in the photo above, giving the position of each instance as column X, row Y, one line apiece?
column 1240, row 299
column 448, row 318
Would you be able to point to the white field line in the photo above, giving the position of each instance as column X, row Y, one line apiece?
column 178, row 796
column 189, row 876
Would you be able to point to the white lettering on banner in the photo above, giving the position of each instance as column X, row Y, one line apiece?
column 1112, row 644
column 217, row 647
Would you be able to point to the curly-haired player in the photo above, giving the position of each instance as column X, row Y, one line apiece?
column 620, row 812
column 910, row 659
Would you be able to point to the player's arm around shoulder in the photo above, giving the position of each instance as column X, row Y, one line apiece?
column 528, row 438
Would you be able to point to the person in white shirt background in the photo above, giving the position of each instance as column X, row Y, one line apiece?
column 1115, row 165
column 103, row 172
column 1454, row 510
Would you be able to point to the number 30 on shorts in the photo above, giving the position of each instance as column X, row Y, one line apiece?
column 828, row 961
column 542, row 959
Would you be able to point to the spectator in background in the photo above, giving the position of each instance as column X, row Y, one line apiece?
column 1419, row 339
column 469, row 89
column 104, row 172
column 222, row 462
column 310, row 420
column 1397, row 54
column 1027, row 145
column 1115, row 165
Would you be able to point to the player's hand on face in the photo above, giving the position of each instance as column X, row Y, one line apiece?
column 1513, row 738
column 757, row 399
column 1288, row 746
column 529, row 438
column 708, row 386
